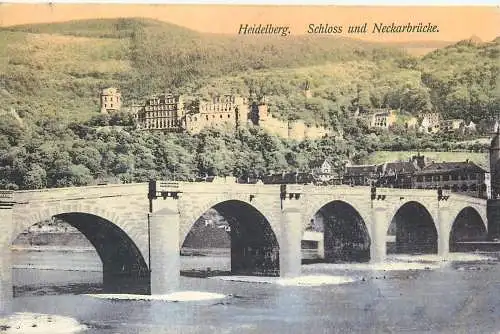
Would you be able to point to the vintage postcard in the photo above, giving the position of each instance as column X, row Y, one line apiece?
column 249, row 169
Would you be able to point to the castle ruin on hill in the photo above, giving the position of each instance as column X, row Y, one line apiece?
column 171, row 113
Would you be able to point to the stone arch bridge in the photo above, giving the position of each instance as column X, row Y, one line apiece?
column 138, row 236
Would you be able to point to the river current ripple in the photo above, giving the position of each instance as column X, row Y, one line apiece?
column 440, row 297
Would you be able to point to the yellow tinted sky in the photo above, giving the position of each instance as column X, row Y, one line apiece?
column 455, row 22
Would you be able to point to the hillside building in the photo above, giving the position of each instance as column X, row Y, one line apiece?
column 471, row 127
column 377, row 118
column 110, row 100
column 451, row 125
column 430, row 123
column 384, row 119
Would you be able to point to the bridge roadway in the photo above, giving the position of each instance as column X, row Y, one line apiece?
column 139, row 239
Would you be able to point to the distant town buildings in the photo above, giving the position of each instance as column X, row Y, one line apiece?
column 465, row 177
column 417, row 173
column 426, row 123
column 360, row 175
column 398, row 174
column 326, row 172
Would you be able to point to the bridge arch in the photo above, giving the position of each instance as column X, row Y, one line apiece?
column 310, row 209
column 124, row 264
column 467, row 225
column 195, row 207
column 413, row 228
column 346, row 233
column 424, row 203
column 254, row 240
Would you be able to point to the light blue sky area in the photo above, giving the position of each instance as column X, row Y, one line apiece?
column 291, row 2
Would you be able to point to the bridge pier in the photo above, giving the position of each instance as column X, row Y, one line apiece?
column 493, row 213
column 6, row 229
column 444, row 230
column 164, row 251
column 378, row 247
column 291, row 239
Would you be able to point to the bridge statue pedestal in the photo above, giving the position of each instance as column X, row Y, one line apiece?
column 165, row 256
column 378, row 247
column 6, row 229
column 291, row 239
column 444, row 223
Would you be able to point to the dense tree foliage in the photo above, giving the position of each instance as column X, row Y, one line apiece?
column 49, row 153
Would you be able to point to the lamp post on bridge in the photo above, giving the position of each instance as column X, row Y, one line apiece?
column 374, row 196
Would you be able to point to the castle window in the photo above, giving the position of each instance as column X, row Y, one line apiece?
column 111, row 105
column 228, row 115
column 220, row 116
column 111, row 99
column 105, row 105
column 207, row 117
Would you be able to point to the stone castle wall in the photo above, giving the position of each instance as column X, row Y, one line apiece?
column 297, row 130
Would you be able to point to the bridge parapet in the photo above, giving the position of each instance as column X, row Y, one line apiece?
column 206, row 187
column 364, row 190
column 6, row 198
column 469, row 199
column 87, row 192
column 6, row 195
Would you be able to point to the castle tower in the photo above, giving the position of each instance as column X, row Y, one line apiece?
column 495, row 164
column 111, row 100
column 263, row 110
column 240, row 110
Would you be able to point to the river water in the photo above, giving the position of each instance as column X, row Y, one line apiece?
column 451, row 297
